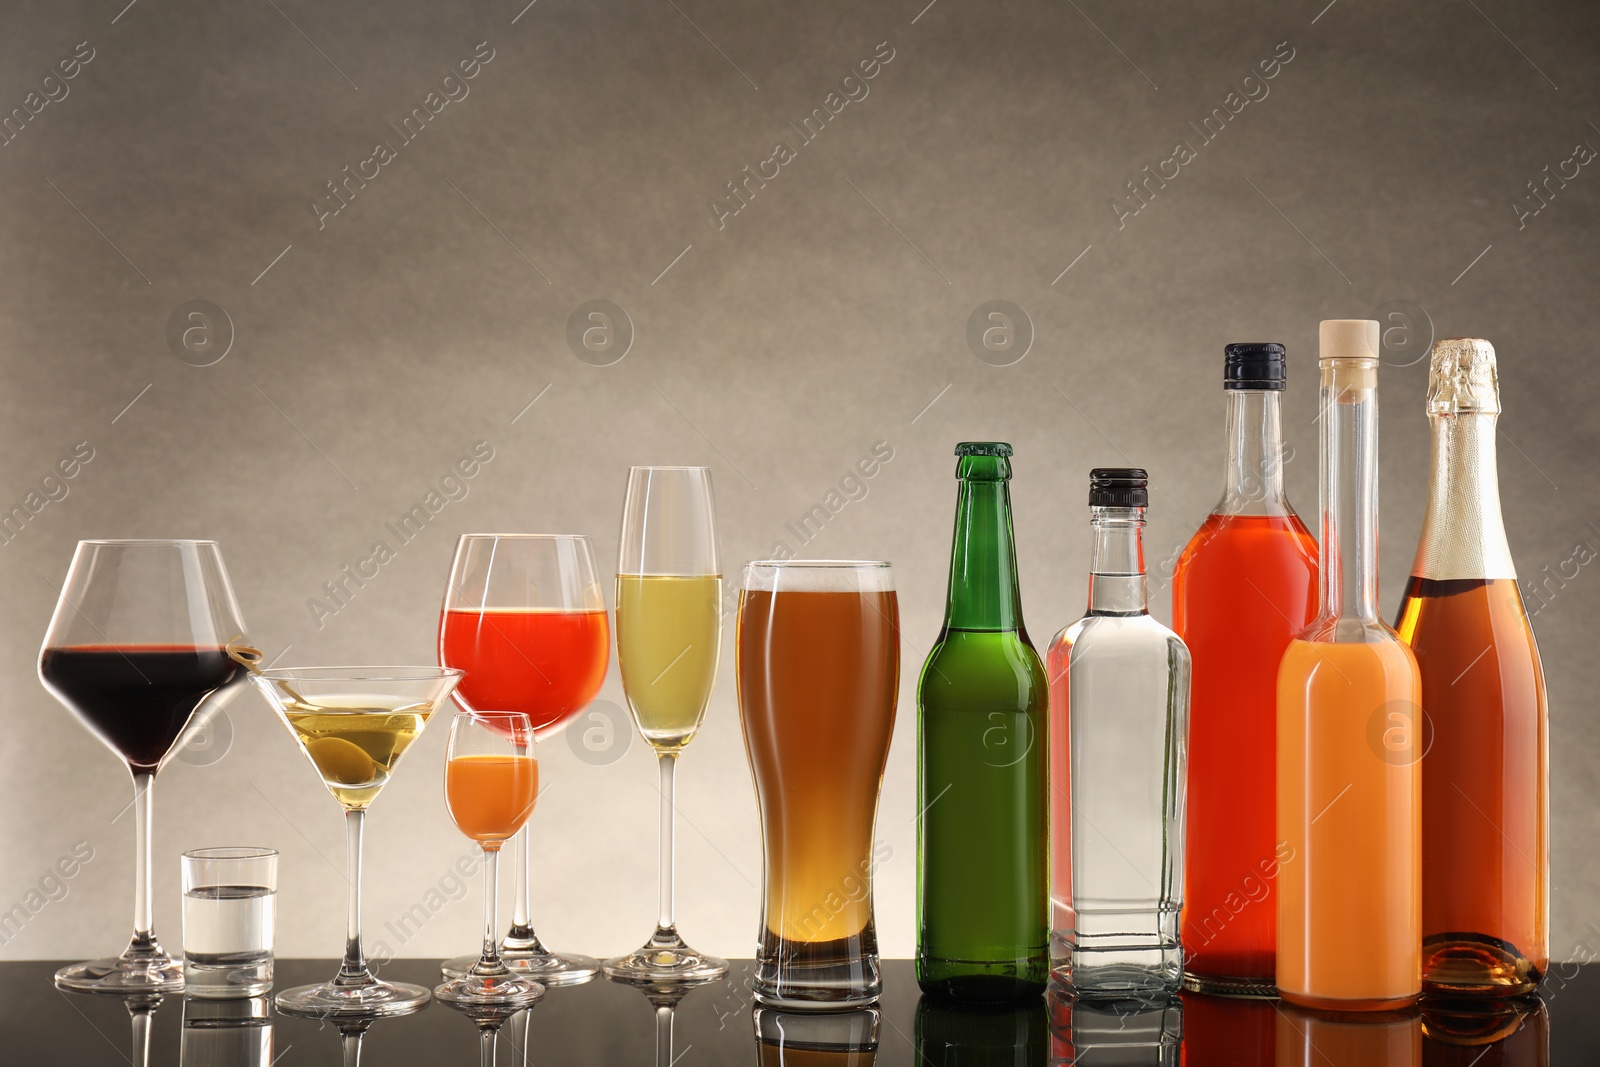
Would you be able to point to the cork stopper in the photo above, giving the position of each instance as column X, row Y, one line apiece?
column 1348, row 354
column 1462, row 378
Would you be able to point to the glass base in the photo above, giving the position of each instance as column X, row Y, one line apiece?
column 546, row 968
column 663, row 960
column 507, row 990
column 124, row 975
column 331, row 1000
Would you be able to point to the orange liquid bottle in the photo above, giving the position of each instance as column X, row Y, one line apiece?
column 1349, row 735
column 1485, row 804
column 1244, row 586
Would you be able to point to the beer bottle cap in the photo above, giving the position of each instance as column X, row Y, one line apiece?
column 1253, row 365
column 983, row 448
column 1119, row 487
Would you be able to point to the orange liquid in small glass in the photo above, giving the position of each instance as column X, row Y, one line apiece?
column 490, row 796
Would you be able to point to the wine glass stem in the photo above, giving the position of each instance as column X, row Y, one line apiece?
column 521, row 923
column 143, row 799
column 141, row 1036
column 664, row 1035
column 668, row 761
column 491, row 937
column 354, row 968
column 486, row 1044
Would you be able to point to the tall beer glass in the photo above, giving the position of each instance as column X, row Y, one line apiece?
column 818, row 663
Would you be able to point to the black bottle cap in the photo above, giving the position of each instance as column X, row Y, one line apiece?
column 983, row 448
column 1254, row 365
column 1119, row 487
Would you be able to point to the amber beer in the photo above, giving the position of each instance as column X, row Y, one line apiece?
column 818, row 662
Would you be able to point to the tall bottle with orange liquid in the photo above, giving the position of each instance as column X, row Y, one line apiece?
column 1485, row 806
column 1349, row 734
column 1244, row 586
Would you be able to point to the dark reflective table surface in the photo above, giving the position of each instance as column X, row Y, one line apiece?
column 604, row 1023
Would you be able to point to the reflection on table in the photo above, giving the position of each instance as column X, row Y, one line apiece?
column 952, row 1035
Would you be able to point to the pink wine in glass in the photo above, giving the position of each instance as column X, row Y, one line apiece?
column 545, row 664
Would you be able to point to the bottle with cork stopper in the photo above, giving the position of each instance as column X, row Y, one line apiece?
column 1349, row 733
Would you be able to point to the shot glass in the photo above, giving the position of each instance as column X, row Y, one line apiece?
column 231, row 1033
column 230, row 905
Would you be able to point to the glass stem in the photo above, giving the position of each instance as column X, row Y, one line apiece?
column 486, row 1045
column 522, row 935
column 350, row 1044
column 141, row 1019
column 666, row 929
column 144, row 940
column 490, row 961
column 664, row 1019
column 354, row 970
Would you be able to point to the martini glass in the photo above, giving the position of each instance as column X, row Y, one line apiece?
column 354, row 724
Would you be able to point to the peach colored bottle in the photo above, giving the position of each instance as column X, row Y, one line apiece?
column 1349, row 735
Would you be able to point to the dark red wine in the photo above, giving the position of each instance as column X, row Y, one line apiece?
column 137, row 698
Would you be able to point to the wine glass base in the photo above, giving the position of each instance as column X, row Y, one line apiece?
column 664, row 965
column 507, row 991
column 121, row 976
column 344, row 1002
column 546, row 968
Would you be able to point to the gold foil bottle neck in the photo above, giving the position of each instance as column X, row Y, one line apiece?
column 1462, row 379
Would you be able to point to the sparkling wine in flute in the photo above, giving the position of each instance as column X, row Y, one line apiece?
column 669, row 634
column 669, row 638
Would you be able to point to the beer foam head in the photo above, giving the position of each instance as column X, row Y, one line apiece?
column 819, row 576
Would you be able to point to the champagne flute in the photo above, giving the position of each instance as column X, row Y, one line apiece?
column 491, row 780
column 138, row 651
column 669, row 636
column 524, row 617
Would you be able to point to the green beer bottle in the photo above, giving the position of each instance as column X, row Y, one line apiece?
column 982, row 783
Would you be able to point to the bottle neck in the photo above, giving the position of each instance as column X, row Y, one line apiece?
column 983, row 564
column 1463, row 534
column 1254, row 483
column 1117, row 584
column 1349, row 491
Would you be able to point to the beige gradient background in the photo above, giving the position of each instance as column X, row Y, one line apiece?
column 828, row 315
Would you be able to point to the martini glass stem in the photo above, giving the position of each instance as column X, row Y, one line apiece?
column 354, row 969
column 666, row 928
column 144, row 940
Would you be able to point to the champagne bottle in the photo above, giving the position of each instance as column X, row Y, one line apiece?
column 981, row 743
column 1485, row 806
